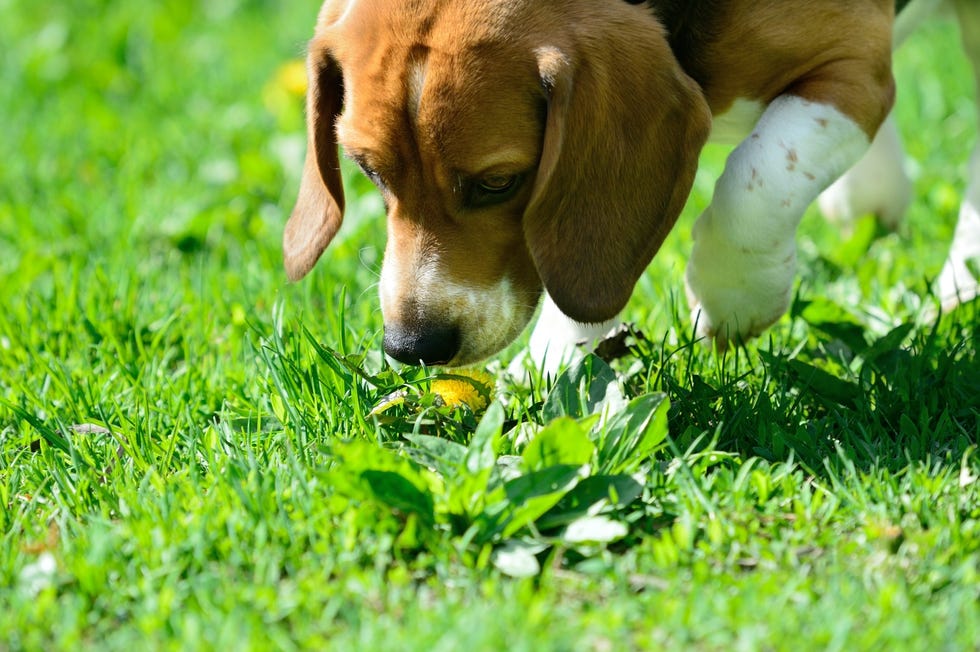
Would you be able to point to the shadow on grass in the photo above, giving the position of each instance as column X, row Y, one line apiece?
column 910, row 395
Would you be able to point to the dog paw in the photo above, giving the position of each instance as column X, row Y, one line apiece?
column 730, row 305
column 956, row 285
column 729, row 329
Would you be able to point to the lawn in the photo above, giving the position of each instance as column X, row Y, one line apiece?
column 196, row 454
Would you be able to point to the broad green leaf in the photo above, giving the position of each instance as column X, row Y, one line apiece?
column 440, row 453
column 468, row 493
column 356, row 457
column 563, row 441
column 592, row 496
column 398, row 492
column 824, row 384
column 632, row 435
column 531, row 495
column 588, row 387
column 836, row 322
column 888, row 342
column 481, row 452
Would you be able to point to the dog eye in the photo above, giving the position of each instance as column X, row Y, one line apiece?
column 497, row 184
column 379, row 181
column 367, row 170
column 371, row 174
column 493, row 189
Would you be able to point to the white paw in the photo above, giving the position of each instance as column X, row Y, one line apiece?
column 956, row 285
column 735, row 295
column 726, row 323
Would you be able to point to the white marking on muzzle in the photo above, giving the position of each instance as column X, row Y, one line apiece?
column 488, row 316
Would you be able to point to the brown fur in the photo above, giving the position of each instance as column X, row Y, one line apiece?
column 827, row 51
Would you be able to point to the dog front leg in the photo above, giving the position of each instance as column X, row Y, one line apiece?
column 957, row 283
column 740, row 275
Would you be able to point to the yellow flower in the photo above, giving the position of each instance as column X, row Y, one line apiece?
column 291, row 77
column 284, row 91
column 470, row 387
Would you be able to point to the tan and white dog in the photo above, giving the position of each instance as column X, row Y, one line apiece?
column 524, row 146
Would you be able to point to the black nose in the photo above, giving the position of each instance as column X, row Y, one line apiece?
column 422, row 344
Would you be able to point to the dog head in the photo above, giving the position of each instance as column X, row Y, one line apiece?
column 518, row 145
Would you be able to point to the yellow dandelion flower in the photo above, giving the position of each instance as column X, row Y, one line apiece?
column 470, row 387
column 284, row 91
column 291, row 77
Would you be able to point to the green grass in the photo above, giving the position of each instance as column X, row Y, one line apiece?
column 194, row 453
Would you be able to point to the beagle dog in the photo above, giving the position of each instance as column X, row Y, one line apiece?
column 529, row 147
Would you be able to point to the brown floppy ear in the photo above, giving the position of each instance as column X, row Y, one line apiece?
column 320, row 205
column 624, row 129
